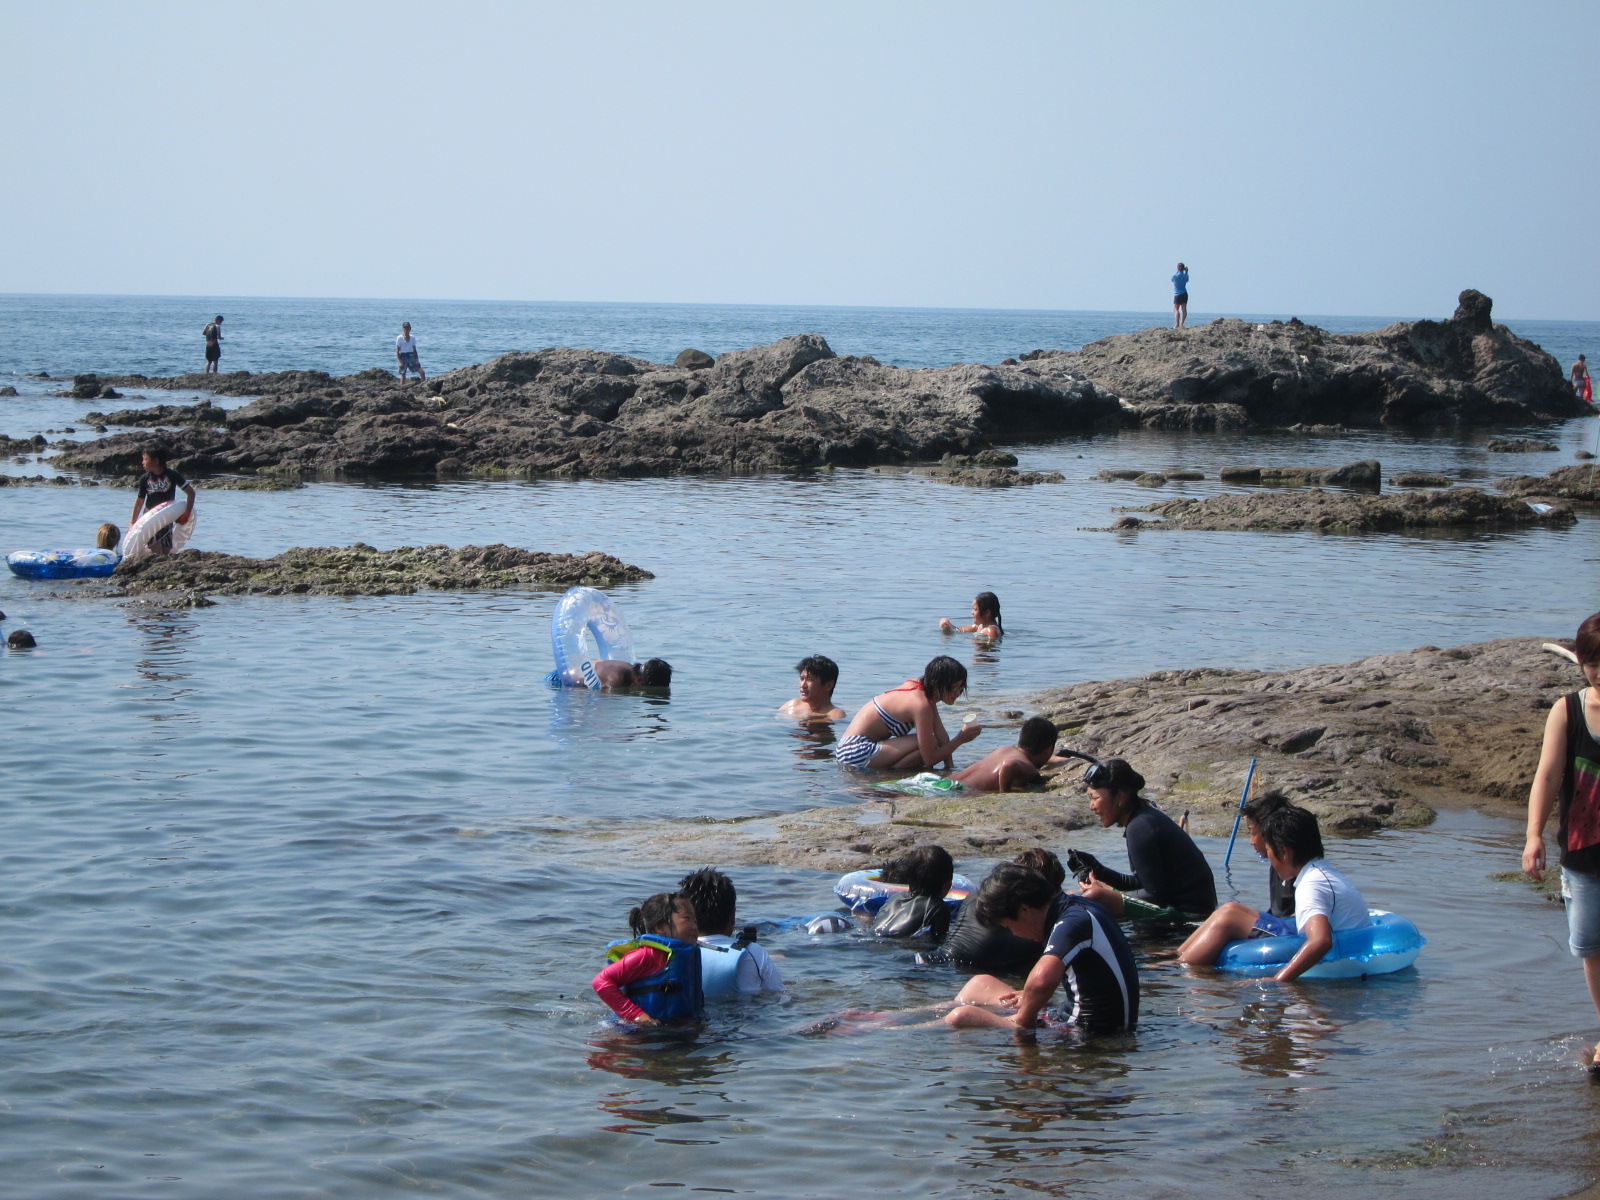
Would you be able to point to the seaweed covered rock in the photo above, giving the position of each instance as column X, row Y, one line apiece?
column 1564, row 483
column 1352, row 512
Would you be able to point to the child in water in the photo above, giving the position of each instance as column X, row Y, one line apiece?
column 1012, row 768
column 655, row 978
column 107, row 537
column 985, row 619
column 920, row 911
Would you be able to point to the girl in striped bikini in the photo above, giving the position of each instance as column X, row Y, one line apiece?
column 900, row 729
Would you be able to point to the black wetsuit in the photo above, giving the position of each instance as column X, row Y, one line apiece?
column 1167, row 868
column 911, row 916
column 1102, row 980
column 995, row 951
column 1281, row 892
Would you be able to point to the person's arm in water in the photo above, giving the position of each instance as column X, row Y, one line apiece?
column 1318, row 933
column 1546, row 787
column 635, row 965
column 1042, row 983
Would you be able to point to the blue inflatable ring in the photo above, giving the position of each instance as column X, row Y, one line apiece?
column 1390, row 943
column 63, row 564
column 585, row 628
column 862, row 892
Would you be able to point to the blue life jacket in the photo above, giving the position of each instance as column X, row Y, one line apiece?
column 719, row 969
column 672, row 993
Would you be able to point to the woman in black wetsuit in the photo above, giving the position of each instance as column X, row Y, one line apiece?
column 1166, row 868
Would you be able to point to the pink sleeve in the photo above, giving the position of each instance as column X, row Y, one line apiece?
column 636, row 964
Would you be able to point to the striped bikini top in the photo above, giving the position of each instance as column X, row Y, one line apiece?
column 898, row 728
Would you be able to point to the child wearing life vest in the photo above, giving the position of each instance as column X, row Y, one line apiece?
column 654, row 979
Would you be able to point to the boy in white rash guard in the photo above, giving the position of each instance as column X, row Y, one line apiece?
column 1325, row 902
column 728, row 967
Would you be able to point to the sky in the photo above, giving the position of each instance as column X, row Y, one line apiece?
column 1336, row 158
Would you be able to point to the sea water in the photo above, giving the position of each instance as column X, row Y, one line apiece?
column 302, row 895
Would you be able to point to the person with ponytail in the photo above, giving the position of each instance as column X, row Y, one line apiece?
column 654, row 978
column 900, row 730
column 985, row 619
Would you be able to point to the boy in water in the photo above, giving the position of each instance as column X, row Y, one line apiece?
column 1012, row 768
column 818, row 675
column 727, row 966
column 618, row 676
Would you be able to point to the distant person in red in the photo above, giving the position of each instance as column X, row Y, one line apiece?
column 213, row 336
column 1581, row 383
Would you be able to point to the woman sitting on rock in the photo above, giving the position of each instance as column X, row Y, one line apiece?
column 1165, row 868
column 900, row 730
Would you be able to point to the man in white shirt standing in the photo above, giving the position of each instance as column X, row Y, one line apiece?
column 405, row 353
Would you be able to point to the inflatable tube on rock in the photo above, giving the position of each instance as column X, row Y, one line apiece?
column 585, row 628
column 63, row 564
column 862, row 892
column 142, row 534
column 1390, row 943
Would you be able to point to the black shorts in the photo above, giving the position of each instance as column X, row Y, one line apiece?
column 1181, row 298
column 213, row 351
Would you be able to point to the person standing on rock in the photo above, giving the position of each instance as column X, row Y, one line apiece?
column 1567, row 782
column 1581, row 383
column 1180, row 297
column 405, row 353
column 213, row 335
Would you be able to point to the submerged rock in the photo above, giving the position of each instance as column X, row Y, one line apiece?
column 1420, row 479
column 361, row 570
column 1565, row 483
column 1352, row 512
column 1365, row 474
column 1520, row 446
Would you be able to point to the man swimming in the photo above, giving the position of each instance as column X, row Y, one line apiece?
column 818, row 674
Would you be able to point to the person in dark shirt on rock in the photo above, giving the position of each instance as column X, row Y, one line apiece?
column 1166, row 869
column 157, row 486
column 1083, row 948
column 213, row 335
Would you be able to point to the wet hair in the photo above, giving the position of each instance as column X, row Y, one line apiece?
column 989, row 606
column 21, row 639
column 655, row 673
column 1036, row 734
column 927, row 871
column 1007, row 889
column 156, row 451
column 1587, row 644
column 1293, row 831
column 1045, row 862
column 941, row 674
column 1258, row 807
column 820, row 666
column 713, row 895
column 655, row 912
column 107, row 536
column 1114, row 774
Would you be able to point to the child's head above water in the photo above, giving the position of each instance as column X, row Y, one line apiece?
column 107, row 536
column 941, row 675
column 1045, row 862
column 986, row 609
column 665, row 914
column 926, row 871
column 654, row 673
column 714, row 898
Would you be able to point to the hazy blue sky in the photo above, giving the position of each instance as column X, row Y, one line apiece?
column 1369, row 158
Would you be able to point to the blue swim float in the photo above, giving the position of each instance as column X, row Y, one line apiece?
column 1390, row 943
column 862, row 891
column 585, row 628
column 63, row 564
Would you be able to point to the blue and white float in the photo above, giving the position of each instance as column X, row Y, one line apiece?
column 1390, row 943
column 864, row 892
column 586, row 628
column 92, row 563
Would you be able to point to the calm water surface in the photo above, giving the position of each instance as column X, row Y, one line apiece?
column 301, row 896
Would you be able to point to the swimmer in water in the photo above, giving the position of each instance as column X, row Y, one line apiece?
column 900, row 730
column 985, row 619
column 618, row 676
column 920, row 911
column 664, row 979
column 107, row 537
column 814, row 704
column 1012, row 768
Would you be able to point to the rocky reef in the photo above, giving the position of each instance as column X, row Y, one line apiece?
column 358, row 570
column 1349, row 512
column 1376, row 743
column 795, row 404
column 1564, row 483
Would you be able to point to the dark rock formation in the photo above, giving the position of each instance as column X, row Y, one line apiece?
column 1419, row 479
column 1520, row 446
column 1465, row 371
column 360, row 570
column 8, row 391
column 1350, row 512
column 28, row 445
column 1240, row 474
column 1564, row 483
column 1368, row 473
column 581, row 412
column 693, row 360
column 203, row 413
